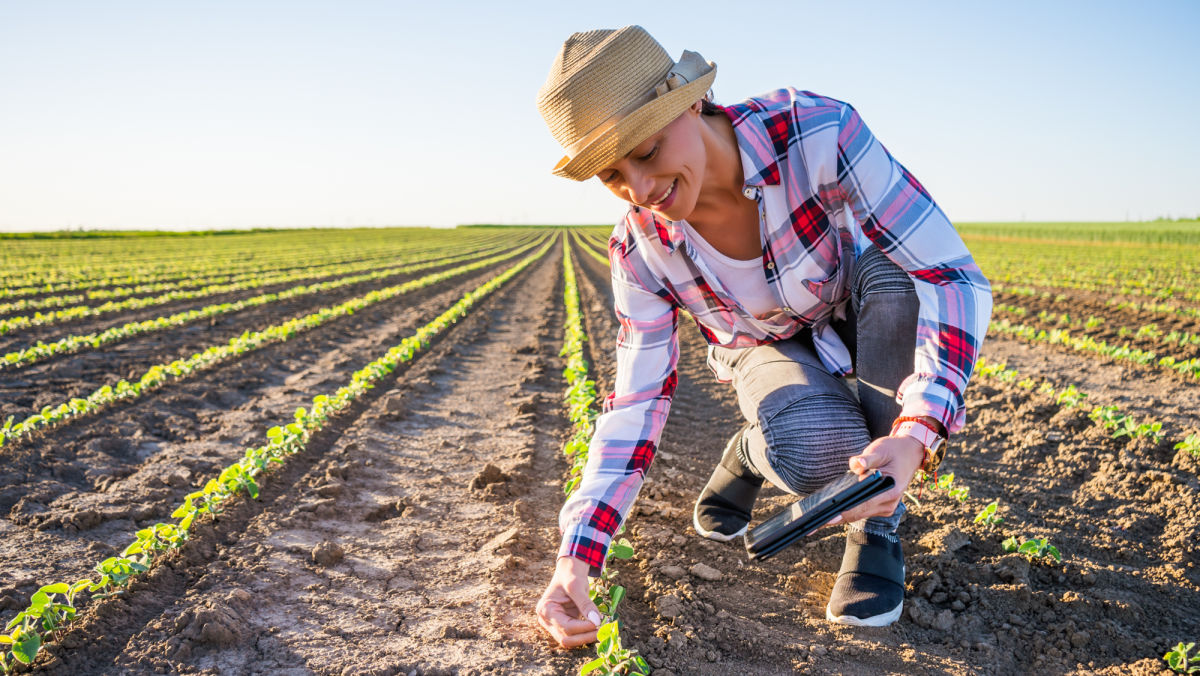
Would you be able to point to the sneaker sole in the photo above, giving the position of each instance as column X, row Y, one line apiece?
column 877, row 621
column 714, row 535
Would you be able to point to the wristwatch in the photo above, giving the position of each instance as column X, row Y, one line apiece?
column 930, row 438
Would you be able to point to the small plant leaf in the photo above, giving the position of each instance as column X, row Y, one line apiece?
column 591, row 666
column 26, row 647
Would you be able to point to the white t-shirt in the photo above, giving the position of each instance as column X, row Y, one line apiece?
column 744, row 280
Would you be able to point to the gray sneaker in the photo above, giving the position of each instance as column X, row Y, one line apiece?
column 722, row 512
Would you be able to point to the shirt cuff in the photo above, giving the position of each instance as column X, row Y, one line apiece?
column 587, row 544
column 931, row 395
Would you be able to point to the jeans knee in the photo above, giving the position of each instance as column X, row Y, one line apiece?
column 877, row 274
column 810, row 440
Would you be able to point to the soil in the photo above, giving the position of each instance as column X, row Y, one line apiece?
column 416, row 533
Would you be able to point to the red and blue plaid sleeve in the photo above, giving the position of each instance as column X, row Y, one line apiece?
column 898, row 215
column 633, row 416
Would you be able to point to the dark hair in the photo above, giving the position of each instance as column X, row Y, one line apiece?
column 707, row 107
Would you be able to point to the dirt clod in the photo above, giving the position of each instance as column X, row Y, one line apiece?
column 327, row 553
column 669, row 606
column 490, row 474
column 452, row 632
column 706, row 572
column 674, row 572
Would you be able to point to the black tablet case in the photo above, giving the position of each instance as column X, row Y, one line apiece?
column 806, row 515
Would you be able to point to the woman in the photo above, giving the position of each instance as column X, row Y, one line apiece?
column 805, row 253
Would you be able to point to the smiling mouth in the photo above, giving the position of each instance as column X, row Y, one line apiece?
column 667, row 194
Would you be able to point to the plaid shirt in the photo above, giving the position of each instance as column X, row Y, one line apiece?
column 826, row 190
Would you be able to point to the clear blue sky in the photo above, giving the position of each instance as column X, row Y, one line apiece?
column 255, row 113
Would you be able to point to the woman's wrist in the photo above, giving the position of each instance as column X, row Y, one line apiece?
column 578, row 567
column 917, row 449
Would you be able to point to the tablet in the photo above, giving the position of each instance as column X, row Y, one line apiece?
column 805, row 516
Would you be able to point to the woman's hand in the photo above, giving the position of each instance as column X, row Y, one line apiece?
column 565, row 601
column 897, row 457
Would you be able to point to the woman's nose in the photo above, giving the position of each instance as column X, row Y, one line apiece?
column 640, row 187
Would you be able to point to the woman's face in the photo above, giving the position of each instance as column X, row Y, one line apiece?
column 663, row 173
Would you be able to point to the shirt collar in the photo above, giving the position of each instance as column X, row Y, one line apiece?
column 757, row 149
column 757, row 144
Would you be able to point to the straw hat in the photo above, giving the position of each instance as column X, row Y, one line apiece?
column 609, row 90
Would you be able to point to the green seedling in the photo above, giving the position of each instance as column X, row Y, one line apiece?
column 1191, row 444
column 1177, row 658
column 49, row 609
column 580, row 397
column 1149, row 331
column 945, row 483
column 1070, row 397
column 1035, row 549
column 1153, row 431
column 613, row 657
column 1109, row 418
column 988, row 517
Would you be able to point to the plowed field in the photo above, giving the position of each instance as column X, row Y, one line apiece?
column 416, row 531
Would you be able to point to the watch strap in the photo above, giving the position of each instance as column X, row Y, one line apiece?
column 937, row 427
column 923, row 432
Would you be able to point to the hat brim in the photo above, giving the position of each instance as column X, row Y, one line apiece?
column 634, row 128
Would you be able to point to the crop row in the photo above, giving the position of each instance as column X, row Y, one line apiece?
column 55, row 605
column 611, row 656
column 1177, row 345
column 290, row 272
column 588, row 245
column 1186, row 367
column 1151, row 331
column 62, row 261
column 160, row 374
column 213, row 274
column 1117, row 303
column 81, row 311
column 74, row 343
column 1155, row 289
column 1119, row 425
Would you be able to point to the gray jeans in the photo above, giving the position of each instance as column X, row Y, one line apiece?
column 804, row 422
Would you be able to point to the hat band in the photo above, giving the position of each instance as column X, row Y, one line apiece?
column 690, row 66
